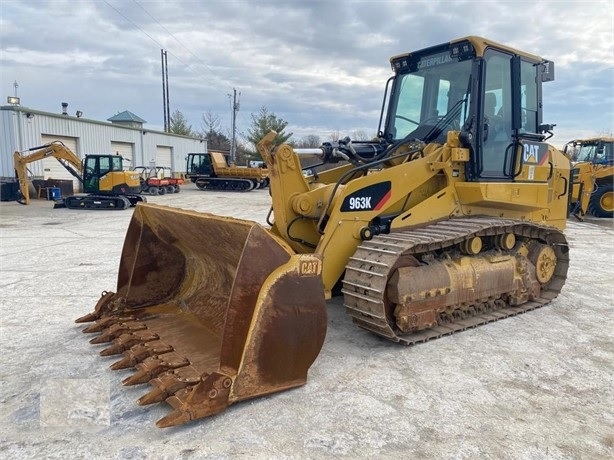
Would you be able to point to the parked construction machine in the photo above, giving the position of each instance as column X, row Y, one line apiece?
column 592, row 176
column 158, row 180
column 105, row 183
column 174, row 183
column 210, row 171
column 150, row 182
column 451, row 218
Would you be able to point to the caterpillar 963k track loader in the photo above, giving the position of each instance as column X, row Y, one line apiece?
column 450, row 219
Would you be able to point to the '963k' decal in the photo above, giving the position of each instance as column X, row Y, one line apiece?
column 370, row 198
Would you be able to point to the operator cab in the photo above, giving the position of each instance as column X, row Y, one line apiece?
column 199, row 164
column 597, row 151
column 98, row 166
column 488, row 92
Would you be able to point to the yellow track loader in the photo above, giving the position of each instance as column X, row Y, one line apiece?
column 451, row 218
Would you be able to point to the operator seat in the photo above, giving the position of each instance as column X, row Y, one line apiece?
column 490, row 104
column 495, row 141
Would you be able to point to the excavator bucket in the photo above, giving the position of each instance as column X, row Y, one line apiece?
column 209, row 310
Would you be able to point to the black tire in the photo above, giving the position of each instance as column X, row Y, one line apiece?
column 170, row 189
column 153, row 190
column 602, row 201
column 162, row 190
column 177, row 189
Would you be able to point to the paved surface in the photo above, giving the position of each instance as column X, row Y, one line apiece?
column 536, row 386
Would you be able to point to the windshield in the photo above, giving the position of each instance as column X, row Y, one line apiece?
column 596, row 152
column 436, row 92
column 585, row 152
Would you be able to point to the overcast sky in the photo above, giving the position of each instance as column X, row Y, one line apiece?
column 319, row 65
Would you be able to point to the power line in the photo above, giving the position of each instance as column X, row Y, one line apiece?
column 178, row 41
column 133, row 23
column 187, row 65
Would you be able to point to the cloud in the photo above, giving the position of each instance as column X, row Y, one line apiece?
column 320, row 65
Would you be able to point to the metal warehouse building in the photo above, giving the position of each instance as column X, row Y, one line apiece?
column 24, row 128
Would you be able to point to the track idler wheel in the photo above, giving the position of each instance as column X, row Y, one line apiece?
column 544, row 259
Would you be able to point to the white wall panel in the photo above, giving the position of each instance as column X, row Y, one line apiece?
column 23, row 128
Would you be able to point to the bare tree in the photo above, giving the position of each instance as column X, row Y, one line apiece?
column 309, row 141
column 210, row 122
column 360, row 135
column 210, row 130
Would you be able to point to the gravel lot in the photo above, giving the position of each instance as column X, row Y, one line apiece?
column 535, row 386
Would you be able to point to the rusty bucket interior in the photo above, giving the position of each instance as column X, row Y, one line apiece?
column 210, row 310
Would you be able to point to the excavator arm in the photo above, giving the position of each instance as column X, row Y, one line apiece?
column 54, row 149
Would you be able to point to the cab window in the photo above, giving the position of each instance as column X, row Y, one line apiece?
column 497, row 114
column 116, row 164
column 105, row 165
column 528, row 95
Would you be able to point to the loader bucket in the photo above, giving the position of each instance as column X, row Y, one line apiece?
column 210, row 310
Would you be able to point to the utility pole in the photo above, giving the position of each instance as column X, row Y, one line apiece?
column 233, row 144
column 165, row 104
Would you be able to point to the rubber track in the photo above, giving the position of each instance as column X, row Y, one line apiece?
column 121, row 202
column 225, row 184
column 368, row 271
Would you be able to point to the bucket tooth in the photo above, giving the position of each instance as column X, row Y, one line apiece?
column 140, row 352
column 101, row 306
column 101, row 324
column 102, row 338
column 175, row 418
column 155, row 365
column 154, row 396
column 118, row 329
column 209, row 397
column 140, row 376
column 170, row 383
column 114, row 349
column 90, row 317
column 123, row 363
column 126, row 341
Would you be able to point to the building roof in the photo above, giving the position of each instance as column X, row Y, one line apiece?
column 126, row 115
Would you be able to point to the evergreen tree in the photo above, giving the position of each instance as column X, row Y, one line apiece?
column 263, row 123
column 179, row 124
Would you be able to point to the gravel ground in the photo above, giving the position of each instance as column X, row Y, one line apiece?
column 535, row 386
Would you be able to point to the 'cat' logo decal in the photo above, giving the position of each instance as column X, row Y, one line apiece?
column 534, row 152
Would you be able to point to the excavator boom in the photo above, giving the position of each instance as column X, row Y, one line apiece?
column 54, row 149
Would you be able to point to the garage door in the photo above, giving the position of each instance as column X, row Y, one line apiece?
column 126, row 150
column 164, row 156
column 52, row 169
